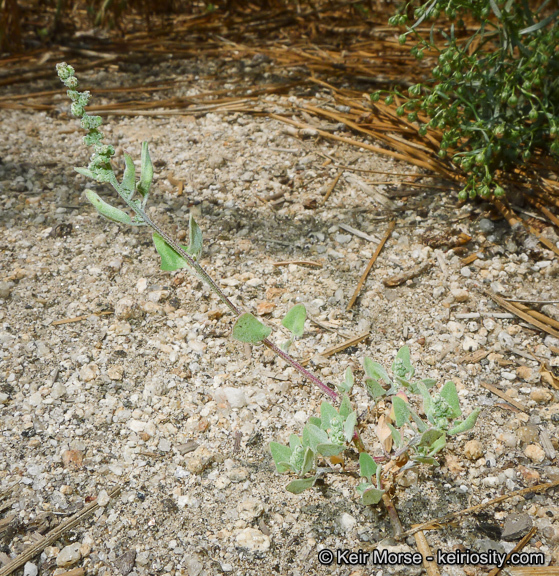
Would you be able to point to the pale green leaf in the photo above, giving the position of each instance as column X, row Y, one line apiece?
column 448, row 392
column 372, row 496
column 349, row 426
column 402, row 363
column 345, row 407
column 129, row 178
column 294, row 320
column 170, row 259
column 374, row 388
column 329, row 449
column 347, row 384
column 396, row 436
column 106, row 210
column 281, row 455
column 313, row 436
column 249, row 329
column 327, row 412
column 367, row 466
column 294, row 441
column 308, row 462
column 401, row 411
column 375, row 371
column 467, row 424
column 195, row 248
column 430, row 436
column 298, row 486
column 85, row 172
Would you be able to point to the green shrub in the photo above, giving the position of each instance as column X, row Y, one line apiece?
column 494, row 92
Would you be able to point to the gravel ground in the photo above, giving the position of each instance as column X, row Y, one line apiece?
column 158, row 398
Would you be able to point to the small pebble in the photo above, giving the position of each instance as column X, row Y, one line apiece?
column 486, row 226
column 347, row 522
column 30, row 569
column 253, row 540
column 69, row 555
column 473, row 450
column 516, row 526
column 103, row 498
column 535, row 452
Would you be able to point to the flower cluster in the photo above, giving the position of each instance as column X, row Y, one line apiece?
column 100, row 161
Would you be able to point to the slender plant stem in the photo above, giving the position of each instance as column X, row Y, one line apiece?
column 217, row 290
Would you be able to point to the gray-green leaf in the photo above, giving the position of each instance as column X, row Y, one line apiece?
column 85, row 172
column 106, row 210
column 170, row 259
column 349, row 426
column 129, row 178
column 327, row 412
column 313, row 436
column 448, row 392
column 298, row 486
column 375, row 371
column 367, row 466
column 372, row 496
column 467, row 424
column 249, row 329
column 281, row 455
column 328, row 449
column 374, row 388
column 195, row 247
column 401, row 411
column 294, row 320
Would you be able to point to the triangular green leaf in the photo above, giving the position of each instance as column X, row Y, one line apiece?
column 375, row 371
column 426, row 460
column 316, row 421
column 367, row 466
column 294, row 441
column 401, row 411
column 249, row 329
column 313, row 436
column 437, row 445
column 308, row 462
column 146, row 175
column 374, row 388
column 328, row 449
column 106, row 210
column 170, row 260
column 347, row 384
column 421, row 426
column 372, row 496
column 129, row 178
column 294, row 320
column 448, row 392
column 281, row 455
column 298, row 486
column 327, row 412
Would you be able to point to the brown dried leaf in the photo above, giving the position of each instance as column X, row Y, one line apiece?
column 383, row 433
